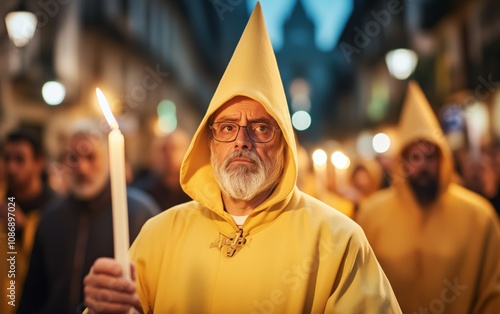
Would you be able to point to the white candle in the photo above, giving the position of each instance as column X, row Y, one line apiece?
column 118, row 187
column 319, row 162
column 341, row 162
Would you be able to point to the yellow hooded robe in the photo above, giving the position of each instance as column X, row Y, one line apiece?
column 444, row 258
column 298, row 255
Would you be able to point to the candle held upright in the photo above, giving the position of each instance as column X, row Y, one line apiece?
column 116, row 145
column 319, row 162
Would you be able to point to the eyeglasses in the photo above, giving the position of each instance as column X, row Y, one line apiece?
column 259, row 132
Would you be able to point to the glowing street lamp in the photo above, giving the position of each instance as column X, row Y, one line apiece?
column 53, row 93
column 21, row 25
column 401, row 63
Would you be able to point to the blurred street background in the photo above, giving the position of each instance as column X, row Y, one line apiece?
column 345, row 65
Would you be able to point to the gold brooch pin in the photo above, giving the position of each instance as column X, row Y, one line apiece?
column 230, row 245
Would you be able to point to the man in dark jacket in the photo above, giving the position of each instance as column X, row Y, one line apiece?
column 77, row 230
column 29, row 194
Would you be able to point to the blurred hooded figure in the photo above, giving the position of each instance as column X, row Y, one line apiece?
column 365, row 178
column 437, row 242
column 250, row 241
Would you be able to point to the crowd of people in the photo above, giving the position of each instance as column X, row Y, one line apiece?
column 64, row 220
column 236, row 221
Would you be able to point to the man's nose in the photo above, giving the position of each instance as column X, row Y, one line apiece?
column 242, row 139
column 83, row 165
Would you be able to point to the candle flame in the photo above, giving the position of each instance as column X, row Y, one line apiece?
column 106, row 110
column 340, row 160
column 319, row 157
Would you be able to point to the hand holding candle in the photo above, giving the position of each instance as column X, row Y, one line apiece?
column 118, row 187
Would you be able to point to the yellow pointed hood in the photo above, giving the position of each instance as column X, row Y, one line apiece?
column 418, row 122
column 252, row 72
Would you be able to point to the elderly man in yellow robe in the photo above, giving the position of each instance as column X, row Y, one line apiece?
column 250, row 241
column 438, row 243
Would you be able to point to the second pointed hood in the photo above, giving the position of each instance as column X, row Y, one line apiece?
column 251, row 72
column 418, row 122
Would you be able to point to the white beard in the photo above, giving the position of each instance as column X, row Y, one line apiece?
column 90, row 188
column 245, row 182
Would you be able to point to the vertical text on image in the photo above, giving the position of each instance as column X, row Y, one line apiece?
column 11, row 250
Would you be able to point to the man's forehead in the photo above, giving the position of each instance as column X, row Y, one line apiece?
column 421, row 145
column 82, row 137
column 241, row 104
column 18, row 148
column 85, row 143
column 17, row 145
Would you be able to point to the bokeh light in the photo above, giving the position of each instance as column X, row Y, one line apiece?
column 381, row 143
column 340, row 160
column 301, row 120
column 167, row 116
column 401, row 63
column 53, row 93
column 364, row 145
column 319, row 157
